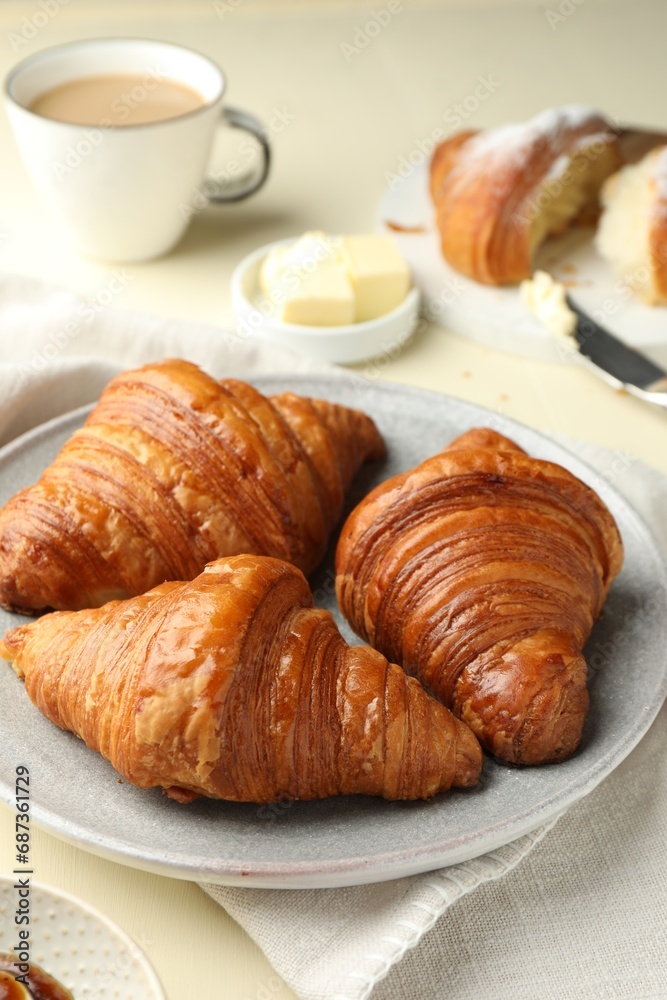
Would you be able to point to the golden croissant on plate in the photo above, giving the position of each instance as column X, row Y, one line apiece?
column 172, row 470
column 481, row 572
column 234, row 686
column 499, row 193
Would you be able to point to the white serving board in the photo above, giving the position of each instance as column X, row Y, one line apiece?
column 495, row 316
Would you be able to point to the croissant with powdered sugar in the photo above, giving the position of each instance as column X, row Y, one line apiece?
column 499, row 193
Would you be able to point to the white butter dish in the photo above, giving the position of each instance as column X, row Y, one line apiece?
column 256, row 316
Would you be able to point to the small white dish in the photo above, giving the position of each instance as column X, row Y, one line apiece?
column 336, row 344
column 77, row 945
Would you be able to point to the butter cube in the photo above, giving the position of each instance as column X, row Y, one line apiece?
column 285, row 265
column 323, row 298
column 380, row 276
column 308, row 283
column 323, row 280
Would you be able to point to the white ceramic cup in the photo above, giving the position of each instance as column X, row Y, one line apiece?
column 127, row 193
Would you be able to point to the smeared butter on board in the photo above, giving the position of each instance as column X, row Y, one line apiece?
column 546, row 299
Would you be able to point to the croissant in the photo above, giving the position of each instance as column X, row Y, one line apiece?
column 172, row 470
column 233, row 686
column 481, row 572
column 499, row 193
column 633, row 227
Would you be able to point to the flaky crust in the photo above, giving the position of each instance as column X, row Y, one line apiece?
column 171, row 470
column 233, row 686
column 488, row 188
column 481, row 572
column 658, row 227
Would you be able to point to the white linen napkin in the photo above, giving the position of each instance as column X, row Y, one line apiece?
column 585, row 913
column 58, row 351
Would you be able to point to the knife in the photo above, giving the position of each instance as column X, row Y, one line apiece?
column 618, row 364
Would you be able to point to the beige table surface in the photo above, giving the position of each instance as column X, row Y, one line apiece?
column 349, row 121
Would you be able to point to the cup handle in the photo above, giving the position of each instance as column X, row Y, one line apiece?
column 238, row 188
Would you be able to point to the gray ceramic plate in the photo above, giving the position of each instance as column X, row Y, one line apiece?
column 349, row 841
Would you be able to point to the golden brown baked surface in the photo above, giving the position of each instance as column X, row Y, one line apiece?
column 172, row 470
column 658, row 227
column 500, row 192
column 481, row 572
column 233, row 686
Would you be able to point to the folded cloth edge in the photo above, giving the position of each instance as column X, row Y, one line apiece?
column 427, row 898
